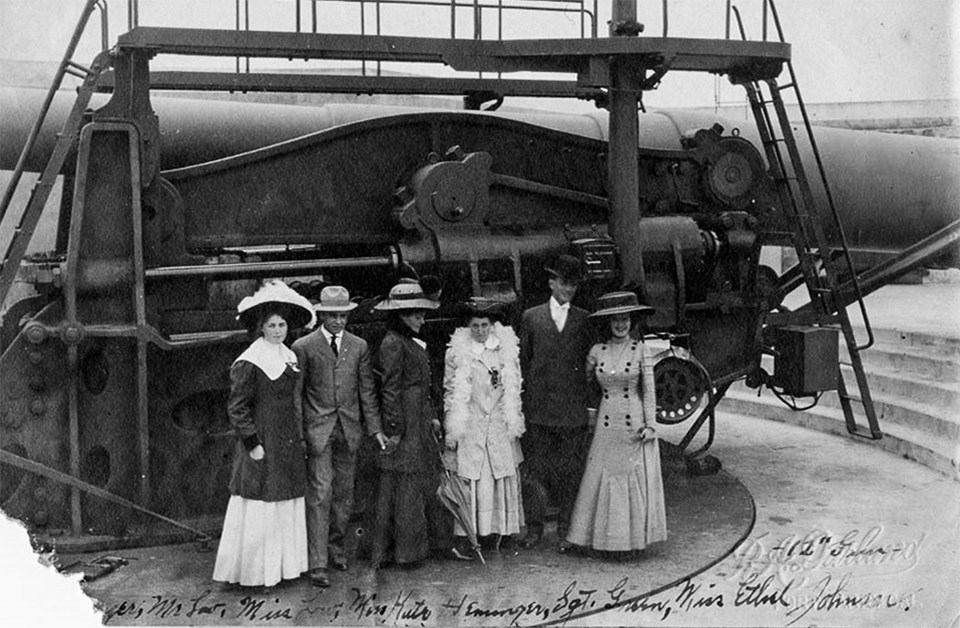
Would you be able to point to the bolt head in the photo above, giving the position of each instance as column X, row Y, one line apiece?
column 35, row 333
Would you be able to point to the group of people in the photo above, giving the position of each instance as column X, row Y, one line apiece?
column 543, row 415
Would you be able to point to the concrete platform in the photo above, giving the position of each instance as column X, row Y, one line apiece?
column 708, row 518
column 843, row 534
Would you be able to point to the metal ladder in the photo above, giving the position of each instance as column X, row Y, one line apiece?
column 66, row 141
column 817, row 264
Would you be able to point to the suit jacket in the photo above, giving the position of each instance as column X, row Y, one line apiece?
column 335, row 388
column 552, row 362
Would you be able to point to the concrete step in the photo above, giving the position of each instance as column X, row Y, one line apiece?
column 941, row 345
column 912, row 413
column 905, row 440
column 909, row 360
column 940, row 394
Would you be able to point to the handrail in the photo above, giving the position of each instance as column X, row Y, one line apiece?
column 478, row 7
column 587, row 10
column 64, row 68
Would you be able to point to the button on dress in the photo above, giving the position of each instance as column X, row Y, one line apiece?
column 620, row 504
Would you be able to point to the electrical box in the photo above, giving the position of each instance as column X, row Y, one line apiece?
column 806, row 359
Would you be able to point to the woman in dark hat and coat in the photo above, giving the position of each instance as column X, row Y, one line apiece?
column 620, row 505
column 264, row 537
column 483, row 419
column 409, row 420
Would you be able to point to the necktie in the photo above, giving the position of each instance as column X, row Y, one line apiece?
column 333, row 345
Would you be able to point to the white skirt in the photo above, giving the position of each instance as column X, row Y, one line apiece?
column 496, row 504
column 262, row 542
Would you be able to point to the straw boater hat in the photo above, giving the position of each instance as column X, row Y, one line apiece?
column 295, row 308
column 567, row 268
column 620, row 303
column 407, row 295
column 334, row 299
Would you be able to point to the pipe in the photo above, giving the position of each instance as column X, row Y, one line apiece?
column 891, row 190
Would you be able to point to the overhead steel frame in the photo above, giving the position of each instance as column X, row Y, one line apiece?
column 613, row 71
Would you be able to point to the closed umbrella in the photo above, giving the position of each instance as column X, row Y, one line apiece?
column 454, row 493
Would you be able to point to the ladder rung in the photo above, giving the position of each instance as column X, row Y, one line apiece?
column 852, row 398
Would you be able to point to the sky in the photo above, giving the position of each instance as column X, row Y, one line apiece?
column 843, row 50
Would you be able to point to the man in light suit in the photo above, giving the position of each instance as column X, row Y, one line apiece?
column 554, row 342
column 337, row 383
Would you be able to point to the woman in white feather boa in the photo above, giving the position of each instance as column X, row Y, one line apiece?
column 483, row 418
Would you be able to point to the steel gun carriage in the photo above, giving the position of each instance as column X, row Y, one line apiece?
column 114, row 366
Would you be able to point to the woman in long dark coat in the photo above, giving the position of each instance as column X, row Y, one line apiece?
column 264, row 535
column 409, row 420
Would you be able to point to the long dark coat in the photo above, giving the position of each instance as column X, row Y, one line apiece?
column 408, row 475
column 406, row 405
column 262, row 411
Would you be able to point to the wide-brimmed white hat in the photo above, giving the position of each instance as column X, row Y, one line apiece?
column 620, row 303
column 334, row 299
column 407, row 295
column 297, row 309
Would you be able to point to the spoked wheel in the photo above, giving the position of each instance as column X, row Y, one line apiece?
column 681, row 384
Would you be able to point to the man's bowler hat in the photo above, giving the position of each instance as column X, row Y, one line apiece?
column 568, row 268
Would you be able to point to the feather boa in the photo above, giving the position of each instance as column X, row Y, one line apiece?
column 457, row 411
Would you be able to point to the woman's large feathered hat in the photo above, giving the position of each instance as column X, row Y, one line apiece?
column 407, row 295
column 296, row 309
column 484, row 307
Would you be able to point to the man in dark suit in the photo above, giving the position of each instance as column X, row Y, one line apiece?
column 554, row 341
column 337, row 382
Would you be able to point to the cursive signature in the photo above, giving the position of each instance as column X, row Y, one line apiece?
column 817, row 550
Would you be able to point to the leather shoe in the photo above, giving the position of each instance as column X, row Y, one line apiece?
column 532, row 539
column 565, row 547
column 319, row 577
column 339, row 564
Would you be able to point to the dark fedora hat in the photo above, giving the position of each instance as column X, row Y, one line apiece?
column 622, row 302
column 567, row 268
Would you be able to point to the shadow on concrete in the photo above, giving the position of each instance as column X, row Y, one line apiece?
column 707, row 517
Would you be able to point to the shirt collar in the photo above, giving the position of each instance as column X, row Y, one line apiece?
column 477, row 348
column 556, row 307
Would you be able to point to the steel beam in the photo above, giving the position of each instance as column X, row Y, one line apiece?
column 745, row 59
column 341, row 84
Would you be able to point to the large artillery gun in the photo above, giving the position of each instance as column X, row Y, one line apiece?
column 114, row 367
